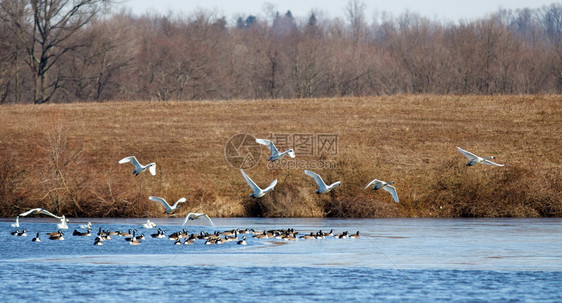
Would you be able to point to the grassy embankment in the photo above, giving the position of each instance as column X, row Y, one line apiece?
column 64, row 157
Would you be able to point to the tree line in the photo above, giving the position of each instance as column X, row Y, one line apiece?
column 80, row 51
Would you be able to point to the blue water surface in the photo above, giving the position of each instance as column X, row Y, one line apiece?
column 395, row 260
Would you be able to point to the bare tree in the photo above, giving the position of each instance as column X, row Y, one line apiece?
column 45, row 28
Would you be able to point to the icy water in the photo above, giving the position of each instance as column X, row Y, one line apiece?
column 394, row 260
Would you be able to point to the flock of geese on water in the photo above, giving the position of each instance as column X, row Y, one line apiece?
column 216, row 238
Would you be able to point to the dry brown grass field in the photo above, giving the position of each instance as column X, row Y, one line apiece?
column 65, row 157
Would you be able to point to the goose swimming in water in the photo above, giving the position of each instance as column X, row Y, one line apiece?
column 36, row 239
column 474, row 159
column 322, row 187
column 139, row 168
column 275, row 154
column 169, row 209
column 378, row 184
column 258, row 192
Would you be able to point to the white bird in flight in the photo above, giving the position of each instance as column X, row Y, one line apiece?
column 474, row 159
column 139, row 168
column 169, row 209
column 17, row 224
column 37, row 211
column 258, row 192
column 378, row 184
column 194, row 216
column 322, row 187
column 275, row 154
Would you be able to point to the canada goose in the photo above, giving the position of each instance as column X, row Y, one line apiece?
column 329, row 234
column 127, row 234
column 474, row 159
column 242, row 242
column 133, row 240
column 378, row 184
column 98, row 241
column 82, row 234
column 36, row 239
column 322, row 187
column 15, row 233
column 189, row 241
column 169, row 209
column 258, row 192
column 23, row 233
column 159, row 234
column 178, row 242
column 262, row 235
column 343, row 235
column 355, row 236
column 55, row 233
column 56, row 236
column 309, row 236
column 275, row 154
column 139, row 168
column 194, row 216
column 37, row 211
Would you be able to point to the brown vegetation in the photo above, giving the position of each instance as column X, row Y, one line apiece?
column 65, row 157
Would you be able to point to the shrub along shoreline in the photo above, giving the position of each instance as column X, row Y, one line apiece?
column 64, row 157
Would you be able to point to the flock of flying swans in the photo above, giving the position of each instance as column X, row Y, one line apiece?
column 258, row 192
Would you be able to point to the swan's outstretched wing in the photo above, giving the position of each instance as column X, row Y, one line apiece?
column 162, row 201
column 131, row 159
column 31, row 211
column 271, row 186
column 193, row 216
column 467, row 154
column 152, row 168
column 269, row 144
column 252, row 184
column 392, row 190
column 375, row 181
column 48, row 213
column 181, row 200
column 488, row 162
column 317, row 178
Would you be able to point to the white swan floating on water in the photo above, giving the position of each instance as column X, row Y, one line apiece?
column 37, row 211
column 149, row 225
column 322, row 187
column 378, row 184
column 194, row 216
column 258, row 192
column 139, row 168
column 17, row 224
column 169, row 209
column 474, row 159
column 275, row 154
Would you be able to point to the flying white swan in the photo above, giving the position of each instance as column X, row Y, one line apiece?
column 194, row 216
column 258, row 192
column 139, row 168
column 378, row 184
column 322, row 187
column 17, row 224
column 169, row 209
column 275, row 154
column 37, row 211
column 474, row 159
column 149, row 224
